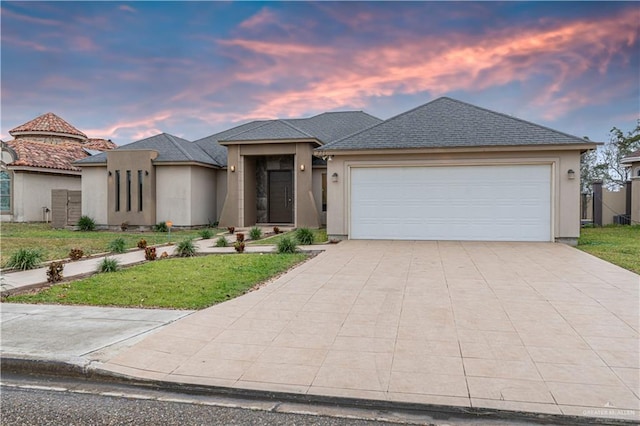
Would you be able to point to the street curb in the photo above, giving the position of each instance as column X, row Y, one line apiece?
column 83, row 369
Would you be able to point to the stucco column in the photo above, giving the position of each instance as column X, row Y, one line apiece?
column 635, row 200
column 306, row 213
column 230, row 215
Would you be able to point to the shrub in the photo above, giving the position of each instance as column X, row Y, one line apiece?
column 222, row 242
column 240, row 237
column 231, row 229
column 85, row 223
column 276, row 230
column 186, row 248
column 150, row 253
column 255, row 233
column 75, row 254
column 239, row 246
column 119, row 245
column 164, row 255
column 304, row 236
column 287, row 245
column 124, row 226
column 142, row 244
column 25, row 258
column 54, row 272
column 109, row 264
column 161, row 227
column 205, row 234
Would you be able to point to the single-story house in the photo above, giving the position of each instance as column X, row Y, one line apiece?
column 38, row 161
column 446, row 170
column 259, row 172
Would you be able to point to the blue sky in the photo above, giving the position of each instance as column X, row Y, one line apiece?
column 128, row 70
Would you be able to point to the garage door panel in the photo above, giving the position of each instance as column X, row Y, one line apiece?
column 495, row 203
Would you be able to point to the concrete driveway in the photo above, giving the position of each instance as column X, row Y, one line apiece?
column 519, row 326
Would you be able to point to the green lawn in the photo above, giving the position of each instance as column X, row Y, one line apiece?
column 619, row 245
column 177, row 283
column 56, row 243
column 320, row 236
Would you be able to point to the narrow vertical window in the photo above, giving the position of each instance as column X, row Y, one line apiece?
column 5, row 191
column 139, row 190
column 324, row 192
column 128, row 190
column 117, row 190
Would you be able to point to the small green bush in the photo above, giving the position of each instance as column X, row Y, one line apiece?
column 304, row 236
column 161, row 227
column 25, row 258
column 239, row 246
column 119, row 245
column 186, row 248
column 109, row 264
column 287, row 245
column 85, row 223
column 222, row 242
column 255, row 233
column 54, row 272
column 142, row 244
column 205, row 234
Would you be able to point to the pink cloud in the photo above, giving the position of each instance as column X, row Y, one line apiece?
column 28, row 44
column 141, row 126
column 29, row 19
column 260, row 19
column 83, row 44
column 127, row 8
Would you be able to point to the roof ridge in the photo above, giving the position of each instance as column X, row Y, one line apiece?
column 177, row 144
column 296, row 127
column 65, row 127
column 508, row 116
column 264, row 123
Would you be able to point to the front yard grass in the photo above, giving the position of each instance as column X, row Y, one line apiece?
column 56, row 243
column 192, row 283
column 619, row 245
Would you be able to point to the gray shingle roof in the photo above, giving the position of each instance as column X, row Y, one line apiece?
column 218, row 152
column 445, row 123
column 170, row 149
column 325, row 127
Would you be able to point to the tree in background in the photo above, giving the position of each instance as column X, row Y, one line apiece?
column 618, row 147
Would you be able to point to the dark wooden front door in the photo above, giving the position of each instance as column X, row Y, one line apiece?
column 280, row 196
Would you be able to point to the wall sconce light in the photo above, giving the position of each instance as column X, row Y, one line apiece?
column 302, row 167
column 233, row 169
column 571, row 174
column 146, row 172
column 334, row 177
column 109, row 173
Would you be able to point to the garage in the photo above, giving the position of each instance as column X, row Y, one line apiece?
column 463, row 202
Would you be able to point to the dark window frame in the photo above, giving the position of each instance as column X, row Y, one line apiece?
column 128, row 190
column 140, row 203
column 117, row 184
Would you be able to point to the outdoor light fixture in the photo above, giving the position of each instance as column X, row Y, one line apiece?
column 146, row 172
column 302, row 167
column 334, row 177
column 233, row 169
column 110, row 173
column 571, row 174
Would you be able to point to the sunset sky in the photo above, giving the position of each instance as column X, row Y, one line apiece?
column 128, row 70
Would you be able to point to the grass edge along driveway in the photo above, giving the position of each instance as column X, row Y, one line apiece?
column 175, row 283
column 619, row 245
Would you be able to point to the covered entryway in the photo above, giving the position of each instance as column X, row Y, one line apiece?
column 466, row 203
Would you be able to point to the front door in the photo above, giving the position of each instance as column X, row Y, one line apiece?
column 280, row 196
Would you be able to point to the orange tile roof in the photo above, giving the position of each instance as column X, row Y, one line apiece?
column 48, row 122
column 46, row 155
column 99, row 144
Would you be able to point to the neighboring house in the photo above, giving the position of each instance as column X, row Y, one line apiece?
column 448, row 170
column 39, row 160
column 262, row 172
column 632, row 161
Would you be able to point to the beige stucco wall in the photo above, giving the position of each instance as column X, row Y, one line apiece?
column 173, row 195
column 132, row 160
column 94, row 193
column 32, row 192
column 317, row 192
column 306, row 212
column 203, row 195
column 613, row 203
column 565, row 192
column 221, row 190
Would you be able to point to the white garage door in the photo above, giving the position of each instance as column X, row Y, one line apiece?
column 481, row 203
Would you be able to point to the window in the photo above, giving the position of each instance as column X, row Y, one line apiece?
column 117, row 190
column 5, row 191
column 139, row 190
column 128, row 190
column 324, row 192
